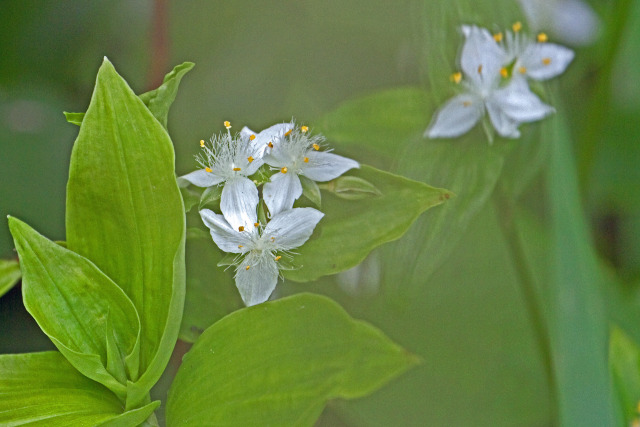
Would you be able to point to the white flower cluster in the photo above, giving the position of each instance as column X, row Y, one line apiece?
column 496, row 69
column 230, row 160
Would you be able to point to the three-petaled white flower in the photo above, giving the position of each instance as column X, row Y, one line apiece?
column 299, row 154
column 482, row 61
column 257, row 267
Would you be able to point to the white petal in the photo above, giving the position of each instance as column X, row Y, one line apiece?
column 481, row 57
column 323, row 166
column 293, row 227
column 280, row 193
column 272, row 134
column 278, row 156
column 456, row 117
column 239, row 201
column 202, row 178
column 505, row 126
column 246, row 132
column 545, row 60
column 574, row 22
column 258, row 282
column 519, row 103
column 227, row 238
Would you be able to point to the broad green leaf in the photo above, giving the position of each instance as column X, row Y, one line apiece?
column 9, row 275
column 79, row 308
column 278, row 363
column 43, row 389
column 159, row 100
column 624, row 360
column 125, row 213
column 351, row 229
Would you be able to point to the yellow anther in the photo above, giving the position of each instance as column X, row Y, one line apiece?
column 480, row 69
column 456, row 77
column 256, row 224
column 202, row 143
column 239, row 246
column 546, row 61
column 504, row 72
column 273, row 238
column 304, row 129
column 522, row 70
column 466, row 103
column 278, row 257
column 517, row 26
column 542, row 38
column 270, row 144
column 288, row 132
column 250, row 159
column 284, row 169
column 227, row 124
column 241, row 228
column 247, row 267
column 237, row 169
column 252, row 137
column 316, row 147
column 208, row 169
column 498, row 37
column 306, row 160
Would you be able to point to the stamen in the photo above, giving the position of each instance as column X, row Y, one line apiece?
column 237, row 169
column 288, row 132
column 466, row 103
column 227, row 124
column 306, row 160
column 208, row 169
column 546, row 61
column 498, row 37
column 250, row 159
column 284, row 169
column 316, row 147
column 542, row 38
column 273, row 239
column 456, row 77
column 522, row 70
column 304, row 129
column 517, row 26
column 241, row 228
column 256, row 224
column 504, row 72
column 270, row 144
column 239, row 246
column 278, row 257
column 202, row 143
column 252, row 137
column 247, row 267
column 480, row 69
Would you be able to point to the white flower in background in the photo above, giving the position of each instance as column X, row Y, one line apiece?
column 482, row 61
column 230, row 160
column 269, row 137
column 294, row 155
column 531, row 57
column 571, row 21
column 257, row 265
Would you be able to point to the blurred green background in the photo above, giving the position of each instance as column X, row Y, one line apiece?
column 258, row 63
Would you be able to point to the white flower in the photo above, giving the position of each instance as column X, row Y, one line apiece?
column 257, row 265
column 508, row 106
column 269, row 137
column 230, row 160
column 299, row 154
column 533, row 58
column 572, row 21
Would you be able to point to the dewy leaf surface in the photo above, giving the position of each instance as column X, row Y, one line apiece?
column 76, row 305
column 43, row 389
column 277, row 364
column 9, row 275
column 125, row 213
column 351, row 229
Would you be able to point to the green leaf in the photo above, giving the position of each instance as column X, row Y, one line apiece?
column 352, row 188
column 311, row 190
column 351, row 229
column 43, row 389
column 278, row 363
column 125, row 213
column 74, row 118
column 624, row 359
column 210, row 197
column 9, row 275
column 78, row 307
column 159, row 100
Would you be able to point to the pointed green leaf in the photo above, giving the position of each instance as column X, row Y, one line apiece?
column 278, row 363
column 624, row 359
column 159, row 100
column 311, row 190
column 9, row 275
column 78, row 307
column 74, row 118
column 211, row 197
column 43, row 389
column 125, row 213
column 351, row 229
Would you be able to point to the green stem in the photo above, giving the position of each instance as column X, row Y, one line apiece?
column 504, row 208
